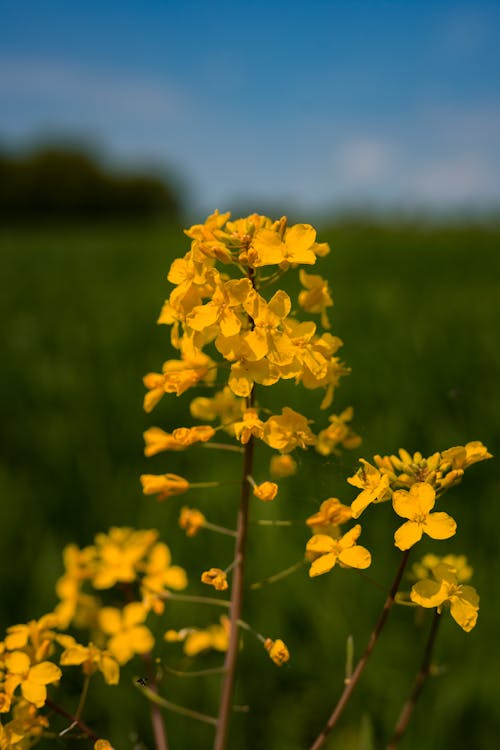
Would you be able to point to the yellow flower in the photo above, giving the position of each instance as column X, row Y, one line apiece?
column 158, row 440
column 215, row 577
column 127, row 634
column 178, row 376
column 223, row 406
column 90, row 658
column 118, row 555
column 317, row 297
column 415, row 505
column 266, row 491
column 282, row 466
column 332, row 513
column 447, row 590
column 267, row 339
column 36, row 634
column 191, row 520
column 458, row 563
column 461, row 457
column 293, row 245
column 325, row 552
column 164, row 485
column 338, row 433
column 32, row 679
column 288, row 431
column 249, row 425
column 223, row 309
column 159, row 574
column 102, row 745
column 374, row 485
column 277, row 651
column 215, row 636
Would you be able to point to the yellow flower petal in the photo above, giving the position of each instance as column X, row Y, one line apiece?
column 323, row 564
column 439, row 526
column 356, row 557
column 320, row 544
column 45, row 673
column 34, row 692
column 17, row 662
column 464, row 614
column 407, row 535
column 428, row 593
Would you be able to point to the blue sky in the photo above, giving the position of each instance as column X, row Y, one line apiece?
column 315, row 105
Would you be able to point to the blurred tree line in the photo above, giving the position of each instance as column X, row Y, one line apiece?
column 65, row 184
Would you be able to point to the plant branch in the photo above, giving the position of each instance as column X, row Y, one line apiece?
column 351, row 684
column 423, row 673
column 236, row 603
column 74, row 721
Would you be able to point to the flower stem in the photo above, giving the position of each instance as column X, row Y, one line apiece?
column 157, row 722
column 423, row 673
column 157, row 700
column 74, row 721
column 351, row 684
column 236, row 602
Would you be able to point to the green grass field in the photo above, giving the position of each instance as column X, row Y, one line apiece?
column 418, row 309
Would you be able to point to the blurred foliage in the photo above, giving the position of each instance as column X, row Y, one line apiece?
column 418, row 309
column 61, row 184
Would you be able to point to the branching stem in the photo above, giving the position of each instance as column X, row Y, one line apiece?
column 351, row 684
column 422, row 674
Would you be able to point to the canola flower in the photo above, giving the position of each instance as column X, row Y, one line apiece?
column 233, row 335
column 445, row 588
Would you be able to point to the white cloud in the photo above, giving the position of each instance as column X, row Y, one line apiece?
column 57, row 85
column 454, row 180
column 363, row 162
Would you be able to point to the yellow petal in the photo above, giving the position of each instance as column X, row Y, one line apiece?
column 423, row 495
column 356, row 557
column 407, row 535
column 34, row 692
column 77, row 654
column 142, row 639
column 110, row 669
column 320, row 544
column 403, row 504
column 45, row 673
column 110, row 620
column 464, row 614
column 17, row 662
column 439, row 526
column 428, row 593
column 323, row 564
column 350, row 537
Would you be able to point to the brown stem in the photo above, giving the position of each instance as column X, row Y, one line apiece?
column 236, row 601
column 423, row 673
column 157, row 722
column 73, row 719
column 351, row 684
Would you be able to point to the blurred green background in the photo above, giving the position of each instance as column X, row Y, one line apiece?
column 417, row 306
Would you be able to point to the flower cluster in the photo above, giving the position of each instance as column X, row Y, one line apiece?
column 442, row 582
column 136, row 568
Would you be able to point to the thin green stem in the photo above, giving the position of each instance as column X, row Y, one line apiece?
column 194, row 672
column 83, row 696
column 198, row 599
column 218, row 529
column 278, row 576
column 223, row 446
column 351, row 684
column 422, row 674
column 157, row 700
